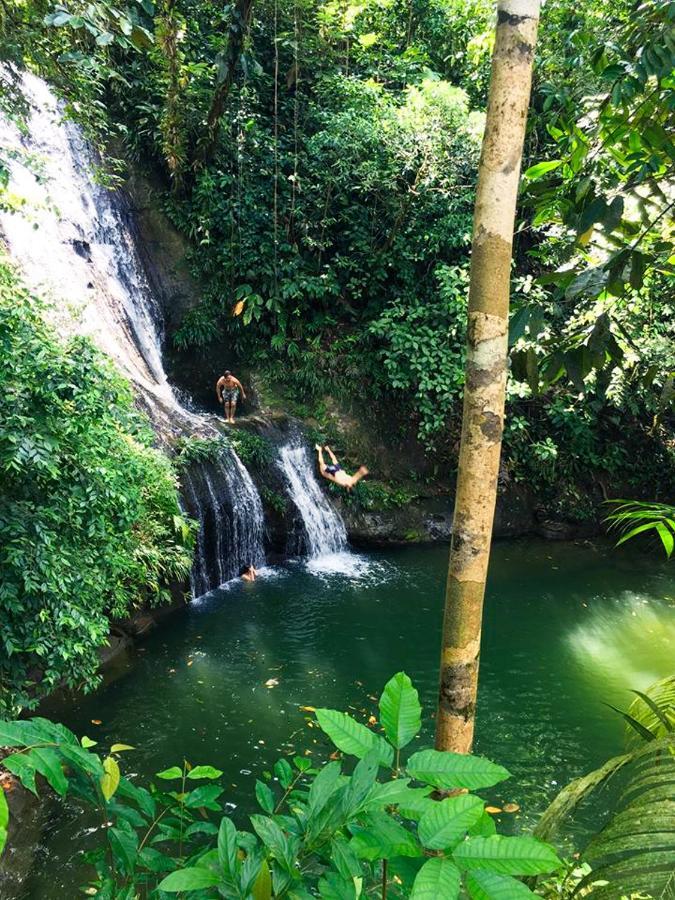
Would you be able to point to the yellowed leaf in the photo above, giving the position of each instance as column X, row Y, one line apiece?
column 238, row 308
column 271, row 682
column 511, row 807
column 120, row 748
column 96, row 722
column 308, row 708
column 493, row 810
column 110, row 779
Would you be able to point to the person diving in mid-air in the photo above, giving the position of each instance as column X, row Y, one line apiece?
column 334, row 471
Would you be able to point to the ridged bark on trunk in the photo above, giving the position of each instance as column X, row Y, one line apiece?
column 484, row 389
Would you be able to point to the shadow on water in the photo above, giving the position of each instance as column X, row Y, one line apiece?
column 566, row 628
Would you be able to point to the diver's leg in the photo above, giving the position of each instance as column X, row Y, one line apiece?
column 360, row 473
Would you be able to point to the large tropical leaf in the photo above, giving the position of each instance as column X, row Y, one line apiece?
column 506, row 855
column 446, row 823
column 446, row 770
column 633, row 517
column 352, row 737
column 438, row 878
column 484, row 885
column 654, row 709
column 400, row 710
column 635, row 851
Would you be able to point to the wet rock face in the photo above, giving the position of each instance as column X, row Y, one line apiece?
column 429, row 519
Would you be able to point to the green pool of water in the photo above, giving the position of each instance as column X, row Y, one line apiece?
column 566, row 628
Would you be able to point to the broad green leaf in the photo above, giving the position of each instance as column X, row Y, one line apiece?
column 111, row 777
column 205, row 795
column 155, row 861
column 438, row 879
column 400, row 710
column 48, row 763
column 344, row 859
column 262, row 887
column 124, row 844
column 87, row 742
column 193, row 879
column 541, row 169
column 336, row 887
column 394, row 793
column 324, row 786
column 506, row 855
column 484, row 885
column 383, row 838
column 264, row 796
column 168, row 774
column 454, row 770
column 23, row 767
column 204, row 772
column 275, row 840
column 284, row 772
column 352, row 737
column 227, row 846
column 447, row 822
column 360, row 784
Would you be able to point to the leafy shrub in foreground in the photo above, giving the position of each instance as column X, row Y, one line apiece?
column 321, row 832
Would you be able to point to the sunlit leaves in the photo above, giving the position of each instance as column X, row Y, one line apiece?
column 506, row 855
column 454, row 770
column 111, row 777
column 190, row 879
column 400, row 710
column 352, row 737
column 448, row 821
column 437, row 878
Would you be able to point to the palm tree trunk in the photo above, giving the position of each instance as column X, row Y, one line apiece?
column 485, row 381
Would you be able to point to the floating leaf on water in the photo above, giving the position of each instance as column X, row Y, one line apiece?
column 372, row 720
column 190, row 661
column 511, row 807
column 271, row 682
column 493, row 810
column 96, row 722
column 307, row 709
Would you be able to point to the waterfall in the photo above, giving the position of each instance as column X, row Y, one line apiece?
column 324, row 530
column 75, row 244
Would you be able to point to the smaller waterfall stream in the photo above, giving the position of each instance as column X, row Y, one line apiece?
column 221, row 494
column 325, row 534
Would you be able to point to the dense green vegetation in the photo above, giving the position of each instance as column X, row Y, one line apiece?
column 321, row 159
column 321, row 830
column 90, row 526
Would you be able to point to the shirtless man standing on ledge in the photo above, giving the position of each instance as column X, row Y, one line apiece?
column 227, row 392
column 335, row 473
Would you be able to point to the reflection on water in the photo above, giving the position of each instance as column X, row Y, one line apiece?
column 566, row 628
column 628, row 642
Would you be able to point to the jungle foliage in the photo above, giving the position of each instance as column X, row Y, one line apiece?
column 90, row 525
column 334, row 831
column 321, row 159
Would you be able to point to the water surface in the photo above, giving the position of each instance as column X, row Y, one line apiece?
column 566, row 628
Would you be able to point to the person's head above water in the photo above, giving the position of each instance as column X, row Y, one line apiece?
column 247, row 572
column 227, row 373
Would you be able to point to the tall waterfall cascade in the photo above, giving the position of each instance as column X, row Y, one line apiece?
column 75, row 246
column 324, row 531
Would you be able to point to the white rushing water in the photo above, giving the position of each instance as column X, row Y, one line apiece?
column 325, row 535
column 74, row 244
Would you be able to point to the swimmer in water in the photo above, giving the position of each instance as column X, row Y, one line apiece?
column 247, row 572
